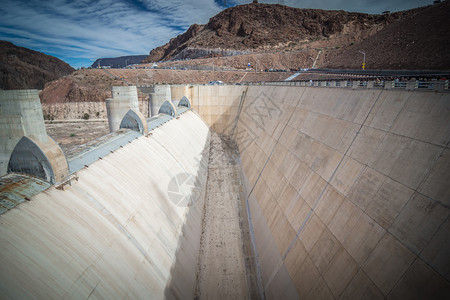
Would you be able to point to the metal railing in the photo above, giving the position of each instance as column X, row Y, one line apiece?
column 405, row 85
column 378, row 84
column 399, row 84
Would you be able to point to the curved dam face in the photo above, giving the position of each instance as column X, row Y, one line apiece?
column 348, row 190
column 120, row 230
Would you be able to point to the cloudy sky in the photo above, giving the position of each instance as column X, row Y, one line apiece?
column 80, row 31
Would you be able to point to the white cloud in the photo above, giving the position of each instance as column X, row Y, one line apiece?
column 81, row 30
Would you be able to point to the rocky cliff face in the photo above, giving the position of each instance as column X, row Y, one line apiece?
column 266, row 27
column 22, row 68
column 175, row 45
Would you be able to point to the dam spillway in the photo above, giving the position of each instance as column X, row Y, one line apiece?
column 346, row 191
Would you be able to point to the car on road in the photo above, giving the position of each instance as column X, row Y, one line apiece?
column 216, row 82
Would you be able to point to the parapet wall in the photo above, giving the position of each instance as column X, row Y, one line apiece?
column 348, row 188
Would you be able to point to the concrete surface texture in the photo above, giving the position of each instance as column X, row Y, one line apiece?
column 348, row 190
column 21, row 120
column 177, row 91
column 124, row 98
column 227, row 266
column 20, row 115
column 77, row 110
column 121, row 230
column 157, row 95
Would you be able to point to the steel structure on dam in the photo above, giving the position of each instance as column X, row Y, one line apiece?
column 347, row 196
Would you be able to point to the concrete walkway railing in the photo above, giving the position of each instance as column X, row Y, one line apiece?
column 355, row 84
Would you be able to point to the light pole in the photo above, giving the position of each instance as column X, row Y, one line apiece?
column 364, row 59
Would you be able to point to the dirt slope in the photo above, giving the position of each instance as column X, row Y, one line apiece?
column 22, row 68
column 420, row 41
column 81, row 86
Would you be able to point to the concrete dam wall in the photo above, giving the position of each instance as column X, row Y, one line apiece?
column 348, row 189
column 120, row 230
column 347, row 194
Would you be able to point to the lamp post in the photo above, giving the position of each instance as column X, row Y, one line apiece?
column 364, row 59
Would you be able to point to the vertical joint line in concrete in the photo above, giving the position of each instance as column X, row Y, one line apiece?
column 262, row 170
column 278, row 140
column 252, row 239
column 241, row 104
column 328, row 182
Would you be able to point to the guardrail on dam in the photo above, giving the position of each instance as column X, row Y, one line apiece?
column 348, row 197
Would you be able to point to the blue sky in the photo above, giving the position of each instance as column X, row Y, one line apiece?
column 81, row 31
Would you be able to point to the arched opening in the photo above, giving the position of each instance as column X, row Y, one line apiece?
column 28, row 158
column 168, row 109
column 185, row 102
column 134, row 121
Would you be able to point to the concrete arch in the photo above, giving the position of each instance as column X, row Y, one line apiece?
column 134, row 120
column 43, row 160
column 185, row 102
column 168, row 108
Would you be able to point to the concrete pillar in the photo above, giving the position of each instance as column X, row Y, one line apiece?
column 177, row 92
column 388, row 85
column 20, row 115
column 25, row 146
column 124, row 98
column 439, row 86
column 410, row 85
column 158, row 94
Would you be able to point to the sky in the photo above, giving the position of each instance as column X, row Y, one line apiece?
column 80, row 31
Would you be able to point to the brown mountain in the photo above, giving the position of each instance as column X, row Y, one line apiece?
column 419, row 41
column 268, row 27
column 22, row 68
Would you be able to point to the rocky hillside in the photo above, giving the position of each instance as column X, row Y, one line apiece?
column 22, row 68
column 119, row 62
column 420, row 41
column 81, row 86
column 272, row 27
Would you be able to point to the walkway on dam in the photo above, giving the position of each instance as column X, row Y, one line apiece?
column 226, row 267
